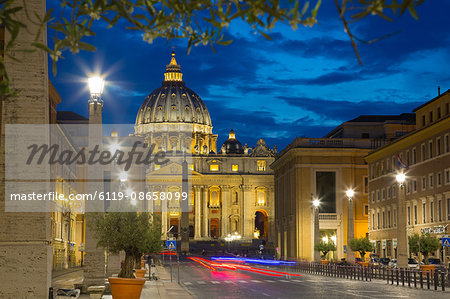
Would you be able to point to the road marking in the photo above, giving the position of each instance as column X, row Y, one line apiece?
column 254, row 280
column 268, row 280
column 242, row 281
column 187, row 283
column 215, row 281
column 266, row 294
column 284, row 280
column 201, row 282
column 228, row 281
column 296, row 280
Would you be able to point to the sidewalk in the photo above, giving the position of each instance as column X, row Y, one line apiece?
column 161, row 288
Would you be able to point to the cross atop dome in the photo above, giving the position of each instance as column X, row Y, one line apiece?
column 173, row 70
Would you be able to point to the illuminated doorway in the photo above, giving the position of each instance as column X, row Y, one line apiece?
column 261, row 224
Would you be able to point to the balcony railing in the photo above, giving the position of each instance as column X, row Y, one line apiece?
column 327, row 216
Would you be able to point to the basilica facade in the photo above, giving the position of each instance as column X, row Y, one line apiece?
column 230, row 185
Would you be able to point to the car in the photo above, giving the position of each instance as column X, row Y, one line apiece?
column 412, row 263
column 384, row 261
column 393, row 263
column 434, row 261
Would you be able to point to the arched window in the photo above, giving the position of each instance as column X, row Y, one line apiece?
column 214, row 197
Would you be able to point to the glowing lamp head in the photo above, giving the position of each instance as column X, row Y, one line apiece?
column 114, row 147
column 400, row 178
column 316, row 203
column 350, row 193
column 123, row 176
column 128, row 192
column 96, row 84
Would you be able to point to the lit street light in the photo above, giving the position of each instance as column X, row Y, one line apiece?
column 402, row 249
column 316, row 233
column 96, row 85
column 350, row 226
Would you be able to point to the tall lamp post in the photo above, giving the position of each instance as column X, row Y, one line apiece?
column 402, row 249
column 350, row 227
column 316, row 204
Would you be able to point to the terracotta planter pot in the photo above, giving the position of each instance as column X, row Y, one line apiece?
column 365, row 264
column 140, row 273
column 324, row 262
column 428, row 268
column 126, row 288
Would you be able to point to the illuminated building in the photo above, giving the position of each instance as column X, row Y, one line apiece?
column 423, row 156
column 325, row 168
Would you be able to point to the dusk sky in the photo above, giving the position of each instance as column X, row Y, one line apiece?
column 302, row 83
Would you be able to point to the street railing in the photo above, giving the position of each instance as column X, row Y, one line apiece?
column 438, row 279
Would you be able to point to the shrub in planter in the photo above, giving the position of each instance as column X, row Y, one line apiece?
column 424, row 244
column 132, row 232
column 324, row 248
column 362, row 245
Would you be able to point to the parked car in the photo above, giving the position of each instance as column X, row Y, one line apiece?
column 393, row 263
column 384, row 261
column 433, row 261
column 375, row 261
column 412, row 263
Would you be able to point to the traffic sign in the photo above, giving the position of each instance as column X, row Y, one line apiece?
column 446, row 242
column 171, row 244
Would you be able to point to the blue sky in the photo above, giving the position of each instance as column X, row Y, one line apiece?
column 301, row 83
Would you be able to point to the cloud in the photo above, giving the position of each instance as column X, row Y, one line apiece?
column 343, row 110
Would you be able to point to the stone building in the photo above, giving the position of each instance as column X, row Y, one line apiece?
column 325, row 168
column 422, row 205
column 232, row 186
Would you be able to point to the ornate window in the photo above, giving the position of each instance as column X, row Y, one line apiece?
column 234, row 167
column 261, row 165
column 214, row 197
column 213, row 167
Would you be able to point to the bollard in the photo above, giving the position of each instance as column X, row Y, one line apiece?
column 421, row 279
column 436, row 280
column 428, row 280
column 396, row 276
column 392, row 276
column 50, row 293
column 415, row 280
column 402, row 274
column 383, row 273
column 409, row 277
column 443, row 281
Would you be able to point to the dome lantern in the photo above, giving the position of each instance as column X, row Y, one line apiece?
column 173, row 71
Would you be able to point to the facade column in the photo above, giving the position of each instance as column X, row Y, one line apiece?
column 197, row 213
column 248, row 204
column 205, row 212
column 226, row 201
column 164, row 211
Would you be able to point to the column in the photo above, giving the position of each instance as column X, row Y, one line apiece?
column 226, row 201
column 197, row 213
column 248, row 204
column 402, row 247
column 350, row 232
column 205, row 212
column 25, row 234
column 164, row 219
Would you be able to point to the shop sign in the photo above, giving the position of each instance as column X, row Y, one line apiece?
column 439, row 229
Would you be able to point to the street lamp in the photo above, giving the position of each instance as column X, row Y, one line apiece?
column 402, row 249
column 316, row 203
column 400, row 177
column 350, row 225
column 123, row 176
column 96, row 85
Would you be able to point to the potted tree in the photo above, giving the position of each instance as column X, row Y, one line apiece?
column 424, row 244
column 151, row 243
column 128, row 232
column 361, row 245
column 324, row 248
